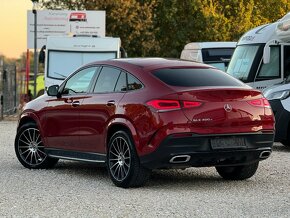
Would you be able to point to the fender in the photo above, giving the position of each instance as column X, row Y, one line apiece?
column 30, row 115
column 129, row 125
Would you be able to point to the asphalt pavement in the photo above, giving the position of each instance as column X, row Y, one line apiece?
column 75, row 189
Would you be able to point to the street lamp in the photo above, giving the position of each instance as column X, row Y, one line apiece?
column 34, row 10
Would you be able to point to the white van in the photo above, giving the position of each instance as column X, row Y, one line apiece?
column 64, row 54
column 262, row 59
column 217, row 54
column 262, row 56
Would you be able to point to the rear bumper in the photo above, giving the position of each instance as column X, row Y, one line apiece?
column 197, row 151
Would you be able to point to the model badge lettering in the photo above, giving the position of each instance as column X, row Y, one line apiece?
column 202, row 120
column 248, row 38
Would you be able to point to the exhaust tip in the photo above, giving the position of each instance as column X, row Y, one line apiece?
column 180, row 159
column 265, row 154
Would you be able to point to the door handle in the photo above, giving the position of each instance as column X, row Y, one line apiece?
column 68, row 100
column 75, row 104
column 111, row 103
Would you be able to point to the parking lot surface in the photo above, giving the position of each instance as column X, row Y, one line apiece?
column 75, row 189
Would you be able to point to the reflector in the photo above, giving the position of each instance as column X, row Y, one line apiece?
column 191, row 104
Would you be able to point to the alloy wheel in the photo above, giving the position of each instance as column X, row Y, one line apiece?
column 30, row 147
column 119, row 158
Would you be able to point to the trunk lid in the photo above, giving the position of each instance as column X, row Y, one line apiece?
column 226, row 110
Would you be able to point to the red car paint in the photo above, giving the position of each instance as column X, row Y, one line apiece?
column 85, row 127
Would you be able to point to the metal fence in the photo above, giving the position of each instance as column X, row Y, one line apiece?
column 8, row 90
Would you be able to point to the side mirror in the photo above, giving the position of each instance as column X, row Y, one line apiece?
column 266, row 54
column 53, row 90
column 267, row 50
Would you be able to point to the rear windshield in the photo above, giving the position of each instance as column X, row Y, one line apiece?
column 216, row 54
column 196, row 77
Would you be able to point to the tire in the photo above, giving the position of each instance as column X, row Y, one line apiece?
column 286, row 143
column 123, row 162
column 238, row 172
column 29, row 148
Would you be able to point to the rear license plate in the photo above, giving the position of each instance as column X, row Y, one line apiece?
column 230, row 142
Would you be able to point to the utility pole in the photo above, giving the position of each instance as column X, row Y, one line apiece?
column 2, row 88
column 15, row 86
column 34, row 10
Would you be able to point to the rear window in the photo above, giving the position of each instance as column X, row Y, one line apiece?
column 196, row 77
column 216, row 54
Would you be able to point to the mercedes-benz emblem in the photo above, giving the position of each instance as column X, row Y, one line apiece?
column 228, row 107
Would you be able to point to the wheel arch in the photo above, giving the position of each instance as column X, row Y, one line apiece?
column 28, row 118
column 24, row 120
column 122, row 124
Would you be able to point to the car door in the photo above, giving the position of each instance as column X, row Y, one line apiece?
column 61, row 129
column 100, row 108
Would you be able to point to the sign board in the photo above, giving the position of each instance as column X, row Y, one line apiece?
column 58, row 22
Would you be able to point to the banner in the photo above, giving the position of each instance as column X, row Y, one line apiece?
column 58, row 22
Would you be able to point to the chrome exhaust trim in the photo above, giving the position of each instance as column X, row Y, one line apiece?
column 265, row 154
column 180, row 159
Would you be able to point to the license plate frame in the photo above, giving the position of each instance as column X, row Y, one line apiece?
column 228, row 143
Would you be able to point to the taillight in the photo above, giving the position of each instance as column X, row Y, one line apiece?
column 261, row 102
column 163, row 105
column 266, row 102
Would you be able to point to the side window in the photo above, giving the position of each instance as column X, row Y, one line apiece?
column 121, row 85
column 133, row 83
column 272, row 69
column 80, row 82
column 107, row 80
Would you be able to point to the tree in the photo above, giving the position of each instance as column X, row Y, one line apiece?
column 175, row 25
column 271, row 10
column 229, row 19
column 162, row 28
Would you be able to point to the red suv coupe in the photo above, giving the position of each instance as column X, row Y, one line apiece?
column 135, row 115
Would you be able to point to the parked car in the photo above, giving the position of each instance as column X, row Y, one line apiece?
column 135, row 115
column 278, row 96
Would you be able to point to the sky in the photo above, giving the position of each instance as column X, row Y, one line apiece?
column 13, row 27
